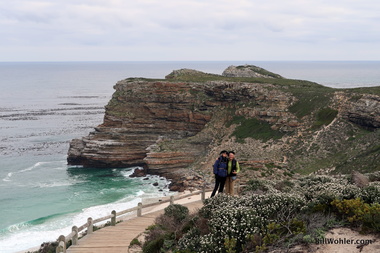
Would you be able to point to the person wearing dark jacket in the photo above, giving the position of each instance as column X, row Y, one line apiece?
column 220, row 172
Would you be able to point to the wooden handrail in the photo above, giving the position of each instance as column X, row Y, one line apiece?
column 73, row 236
column 90, row 222
column 103, row 218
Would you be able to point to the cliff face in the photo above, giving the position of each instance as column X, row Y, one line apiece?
column 139, row 114
column 176, row 127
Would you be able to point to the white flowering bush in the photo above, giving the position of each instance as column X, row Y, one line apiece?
column 314, row 180
column 273, row 213
column 321, row 190
column 371, row 193
column 327, row 192
column 214, row 203
column 192, row 241
column 374, row 176
column 235, row 223
column 269, row 205
column 239, row 218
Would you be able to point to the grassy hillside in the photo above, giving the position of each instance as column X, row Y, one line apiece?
column 323, row 139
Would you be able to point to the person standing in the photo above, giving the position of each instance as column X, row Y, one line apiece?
column 233, row 168
column 220, row 172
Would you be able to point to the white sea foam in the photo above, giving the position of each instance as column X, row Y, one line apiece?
column 127, row 173
column 54, row 184
column 36, row 165
column 24, row 236
column 29, row 237
column 8, row 177
column 140, row 193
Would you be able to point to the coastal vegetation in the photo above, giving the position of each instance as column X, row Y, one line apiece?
column 269, row 215
column 253, row 128
column 297, row 142
column 261, row 115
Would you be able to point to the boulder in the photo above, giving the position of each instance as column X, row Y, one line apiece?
column 359, row 179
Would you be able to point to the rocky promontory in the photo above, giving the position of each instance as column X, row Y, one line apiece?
column 176, row 126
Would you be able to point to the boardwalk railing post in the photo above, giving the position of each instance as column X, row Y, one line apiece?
column 74, row 240
column 113, row 218
column 90, row 226
column 171, row 200
column 203, row 197
column 139, row 209
column 61, row 244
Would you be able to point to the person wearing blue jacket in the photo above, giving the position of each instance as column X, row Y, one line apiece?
column 220, row 172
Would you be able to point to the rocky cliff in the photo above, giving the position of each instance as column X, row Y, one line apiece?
column 175, row 127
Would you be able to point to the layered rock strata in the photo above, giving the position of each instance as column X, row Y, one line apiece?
column 176, row 128
column 141, row 114
column 365, row 111
column 136, row 117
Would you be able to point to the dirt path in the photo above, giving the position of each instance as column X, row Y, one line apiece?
column 345, row 240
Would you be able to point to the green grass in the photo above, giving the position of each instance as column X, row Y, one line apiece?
column 253, row 128
column 325, row 116
column 310, row 98
column 364, row 90
column 253, row 168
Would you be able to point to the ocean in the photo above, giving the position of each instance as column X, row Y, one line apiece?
column 43, row 105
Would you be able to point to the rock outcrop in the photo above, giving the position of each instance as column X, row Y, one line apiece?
column 359, row 179
column 248, row 71
column 176, row 127
column 365, row 111
column 138, row 115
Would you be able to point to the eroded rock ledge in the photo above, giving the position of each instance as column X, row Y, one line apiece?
column 176, row 127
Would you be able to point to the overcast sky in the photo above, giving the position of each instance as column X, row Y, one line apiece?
column 189, row 30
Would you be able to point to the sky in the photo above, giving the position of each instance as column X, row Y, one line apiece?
column 189, row 30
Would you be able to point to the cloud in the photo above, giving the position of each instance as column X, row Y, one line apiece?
column 205, row 28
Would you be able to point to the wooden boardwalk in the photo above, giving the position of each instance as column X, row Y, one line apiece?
column 116, row 239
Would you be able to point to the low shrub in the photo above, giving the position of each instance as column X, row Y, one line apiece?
column 371, row 193
column 357, row 212
column 256, row 185
column 284, row 186
column 135, row 241
column 375, row 176
column 163, row 236
column 269, row 215
column 154, row 245
column 178, row 212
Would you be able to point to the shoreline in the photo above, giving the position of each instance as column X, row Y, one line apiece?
column 128, row 216
column 29, row 250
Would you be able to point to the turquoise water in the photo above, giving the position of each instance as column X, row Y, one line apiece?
column 45, row 105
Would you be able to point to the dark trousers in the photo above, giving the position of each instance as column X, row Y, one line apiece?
column 219, row 183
